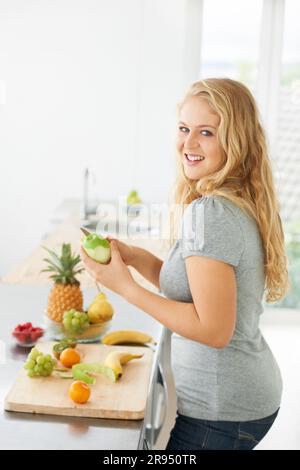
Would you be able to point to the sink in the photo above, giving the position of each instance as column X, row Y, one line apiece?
column 119, row 228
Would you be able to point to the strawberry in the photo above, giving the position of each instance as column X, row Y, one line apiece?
column 27, row 333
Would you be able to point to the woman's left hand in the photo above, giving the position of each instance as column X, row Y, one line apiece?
column 115, row 275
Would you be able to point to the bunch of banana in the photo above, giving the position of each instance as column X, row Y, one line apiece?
column 127, row 337
column 116, row 359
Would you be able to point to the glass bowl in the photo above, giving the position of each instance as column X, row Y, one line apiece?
column 93, row 333
column 25, row 339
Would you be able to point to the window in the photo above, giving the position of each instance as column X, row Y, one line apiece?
column 286, row 153
column 230, row 39
column 232, row 35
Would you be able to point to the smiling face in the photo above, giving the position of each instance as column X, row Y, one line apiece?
column 197, row 138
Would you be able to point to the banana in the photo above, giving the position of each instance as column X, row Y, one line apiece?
column 116, row 359
column 127, row 336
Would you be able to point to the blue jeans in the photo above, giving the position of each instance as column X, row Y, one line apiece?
column 200, row 434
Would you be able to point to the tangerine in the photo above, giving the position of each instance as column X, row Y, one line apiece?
column 69, row 357
column 79, row 392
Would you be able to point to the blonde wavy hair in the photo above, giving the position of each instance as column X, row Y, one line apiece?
column 246, row 178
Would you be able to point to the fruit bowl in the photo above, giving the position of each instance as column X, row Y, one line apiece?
column 92, row 333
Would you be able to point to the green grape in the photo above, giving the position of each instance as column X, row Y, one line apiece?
column 68, row 323
column 39, row 364
column 40, row 360
column 37, row 357
column 69, row 314
column 34, row 353
column 30, row 363
column 75, row 323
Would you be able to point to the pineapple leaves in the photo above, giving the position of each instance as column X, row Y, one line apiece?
column 52, row 264
column 64, row 266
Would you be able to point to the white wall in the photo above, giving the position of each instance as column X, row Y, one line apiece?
column 87, row 83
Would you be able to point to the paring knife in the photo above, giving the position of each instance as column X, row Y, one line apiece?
column 85, row 231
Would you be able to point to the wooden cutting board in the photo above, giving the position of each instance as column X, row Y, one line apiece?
column 124, row 399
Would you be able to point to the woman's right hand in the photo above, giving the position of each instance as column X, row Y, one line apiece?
column 143, row 261
column 126, row 251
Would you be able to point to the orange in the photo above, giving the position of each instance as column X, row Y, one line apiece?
column 69, row 357
column 79, row 392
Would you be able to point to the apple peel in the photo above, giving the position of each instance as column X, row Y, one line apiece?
column 83, row 372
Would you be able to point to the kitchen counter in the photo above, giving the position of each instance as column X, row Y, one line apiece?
column 21, row 303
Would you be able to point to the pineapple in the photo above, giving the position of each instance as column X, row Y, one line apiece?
column 66, row 293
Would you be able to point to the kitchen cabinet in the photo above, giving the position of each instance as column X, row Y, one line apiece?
column 159, row 396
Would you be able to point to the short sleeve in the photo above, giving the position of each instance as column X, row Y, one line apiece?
column 211, row 229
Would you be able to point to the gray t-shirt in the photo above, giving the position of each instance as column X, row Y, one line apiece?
column 242, row 381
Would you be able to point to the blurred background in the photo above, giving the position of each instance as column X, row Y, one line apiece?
column 94, row 85
column 88, row 94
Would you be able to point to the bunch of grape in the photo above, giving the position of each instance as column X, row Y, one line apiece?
column 39, row 364
column 75, row 321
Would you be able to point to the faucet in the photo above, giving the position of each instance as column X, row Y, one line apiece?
column 85, row 210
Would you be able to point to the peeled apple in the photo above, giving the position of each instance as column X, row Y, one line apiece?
column 97, row 248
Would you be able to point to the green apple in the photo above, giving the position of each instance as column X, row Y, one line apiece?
column 97, row 247
column 133, row 198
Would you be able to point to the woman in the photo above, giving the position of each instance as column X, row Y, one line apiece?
column 229, row 252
